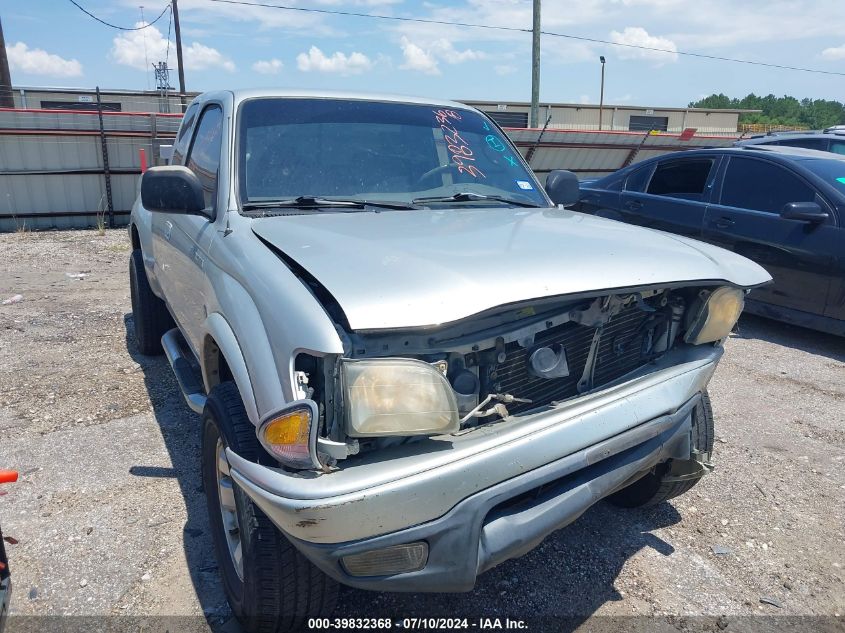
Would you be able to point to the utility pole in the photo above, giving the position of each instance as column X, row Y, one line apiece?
column 535, row 68
column 601, row 96
column 6, row 100
column 178, row 32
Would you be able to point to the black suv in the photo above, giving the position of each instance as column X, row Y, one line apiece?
column 830, row 140
column 782, row 207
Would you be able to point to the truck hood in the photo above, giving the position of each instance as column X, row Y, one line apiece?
column 402, row 269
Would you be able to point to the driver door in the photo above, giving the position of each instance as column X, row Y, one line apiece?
column 184, row 240
column 745, row 218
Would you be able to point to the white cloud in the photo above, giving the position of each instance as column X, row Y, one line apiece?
column 268, row 66
column 638, row 36
column 39, row 62
column 585, row 99
column 316, row 60
column 834, row 53
column 200, row 57
column 504, row 69
column 137, row 49
column 445, row 51
column 427, row 60
column 418, row 59
column 210, row 16
column 358, row 3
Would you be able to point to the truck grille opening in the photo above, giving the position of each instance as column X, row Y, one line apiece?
column 620, row 351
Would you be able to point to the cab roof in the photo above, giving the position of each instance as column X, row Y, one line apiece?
column 309, row 93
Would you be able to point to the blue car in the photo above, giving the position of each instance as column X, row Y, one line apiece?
column 783, row 207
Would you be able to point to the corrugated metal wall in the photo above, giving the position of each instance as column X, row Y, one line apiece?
column 51, row 165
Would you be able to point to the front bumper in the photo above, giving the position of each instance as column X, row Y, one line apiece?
column 470, row 495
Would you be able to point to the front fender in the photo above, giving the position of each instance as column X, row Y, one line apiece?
column 224, row 337
column 246, row 336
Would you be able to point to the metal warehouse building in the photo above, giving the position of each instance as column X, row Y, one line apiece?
column 82, row 99
column 619, row 118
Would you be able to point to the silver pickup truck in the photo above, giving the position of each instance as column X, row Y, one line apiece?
column 411, row 361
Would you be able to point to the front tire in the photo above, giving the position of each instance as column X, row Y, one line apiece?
column 270, row 586
column 149, row 313
column 653, row 487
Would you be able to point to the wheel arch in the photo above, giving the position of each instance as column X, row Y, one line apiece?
column 222, row 360
column 134, row 237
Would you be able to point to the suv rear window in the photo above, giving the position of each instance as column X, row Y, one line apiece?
column 681, row 178
column 807, row 143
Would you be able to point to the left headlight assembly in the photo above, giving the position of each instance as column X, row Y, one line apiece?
column 717, row 316
column 397, row 396
column 290, row 435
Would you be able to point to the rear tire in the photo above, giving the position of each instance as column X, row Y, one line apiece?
column 149, row 313
column 278, row 588
column 652, row 488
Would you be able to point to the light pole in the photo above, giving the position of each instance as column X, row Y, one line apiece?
column 601, row 96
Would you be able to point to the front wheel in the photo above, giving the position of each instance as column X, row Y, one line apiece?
column 658, row 486
column 270, row 586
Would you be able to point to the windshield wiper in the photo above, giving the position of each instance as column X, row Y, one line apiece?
column 471, row 196
column 315, row 202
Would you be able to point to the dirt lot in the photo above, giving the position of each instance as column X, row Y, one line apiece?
column 110, row 517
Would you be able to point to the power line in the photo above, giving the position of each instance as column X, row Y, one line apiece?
column 115, row 26
column 526, row 30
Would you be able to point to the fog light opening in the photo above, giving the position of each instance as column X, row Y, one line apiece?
column 397, row 559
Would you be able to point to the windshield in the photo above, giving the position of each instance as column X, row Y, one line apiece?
column 377, row 151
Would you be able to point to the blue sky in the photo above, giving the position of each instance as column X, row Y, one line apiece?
column 52, row 43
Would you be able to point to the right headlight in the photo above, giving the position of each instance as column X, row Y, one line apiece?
column 397, row 396
column 716, row 317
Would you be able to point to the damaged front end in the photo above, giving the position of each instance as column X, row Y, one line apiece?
column 397, row 387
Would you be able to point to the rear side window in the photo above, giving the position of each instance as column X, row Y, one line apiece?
column 681, row 178
column 807, row 143
column 183, row 138
column 638, row 179
column 837, row 147
column 761, row 186
column 204, row 158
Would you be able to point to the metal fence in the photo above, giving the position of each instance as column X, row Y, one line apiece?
column 71, row 169
column 62, row 169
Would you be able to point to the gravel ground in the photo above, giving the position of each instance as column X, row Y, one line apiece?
column 110, row 518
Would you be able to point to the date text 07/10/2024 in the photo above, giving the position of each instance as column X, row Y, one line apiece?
column 348, row 624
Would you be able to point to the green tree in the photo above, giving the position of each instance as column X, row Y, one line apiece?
column 786, row 110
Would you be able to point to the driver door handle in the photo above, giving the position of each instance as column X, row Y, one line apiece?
column 724, row 223
column 633, row 205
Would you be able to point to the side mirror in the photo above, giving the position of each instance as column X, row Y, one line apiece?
column 172, row 189
column 562, row 187
column 803, row 212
